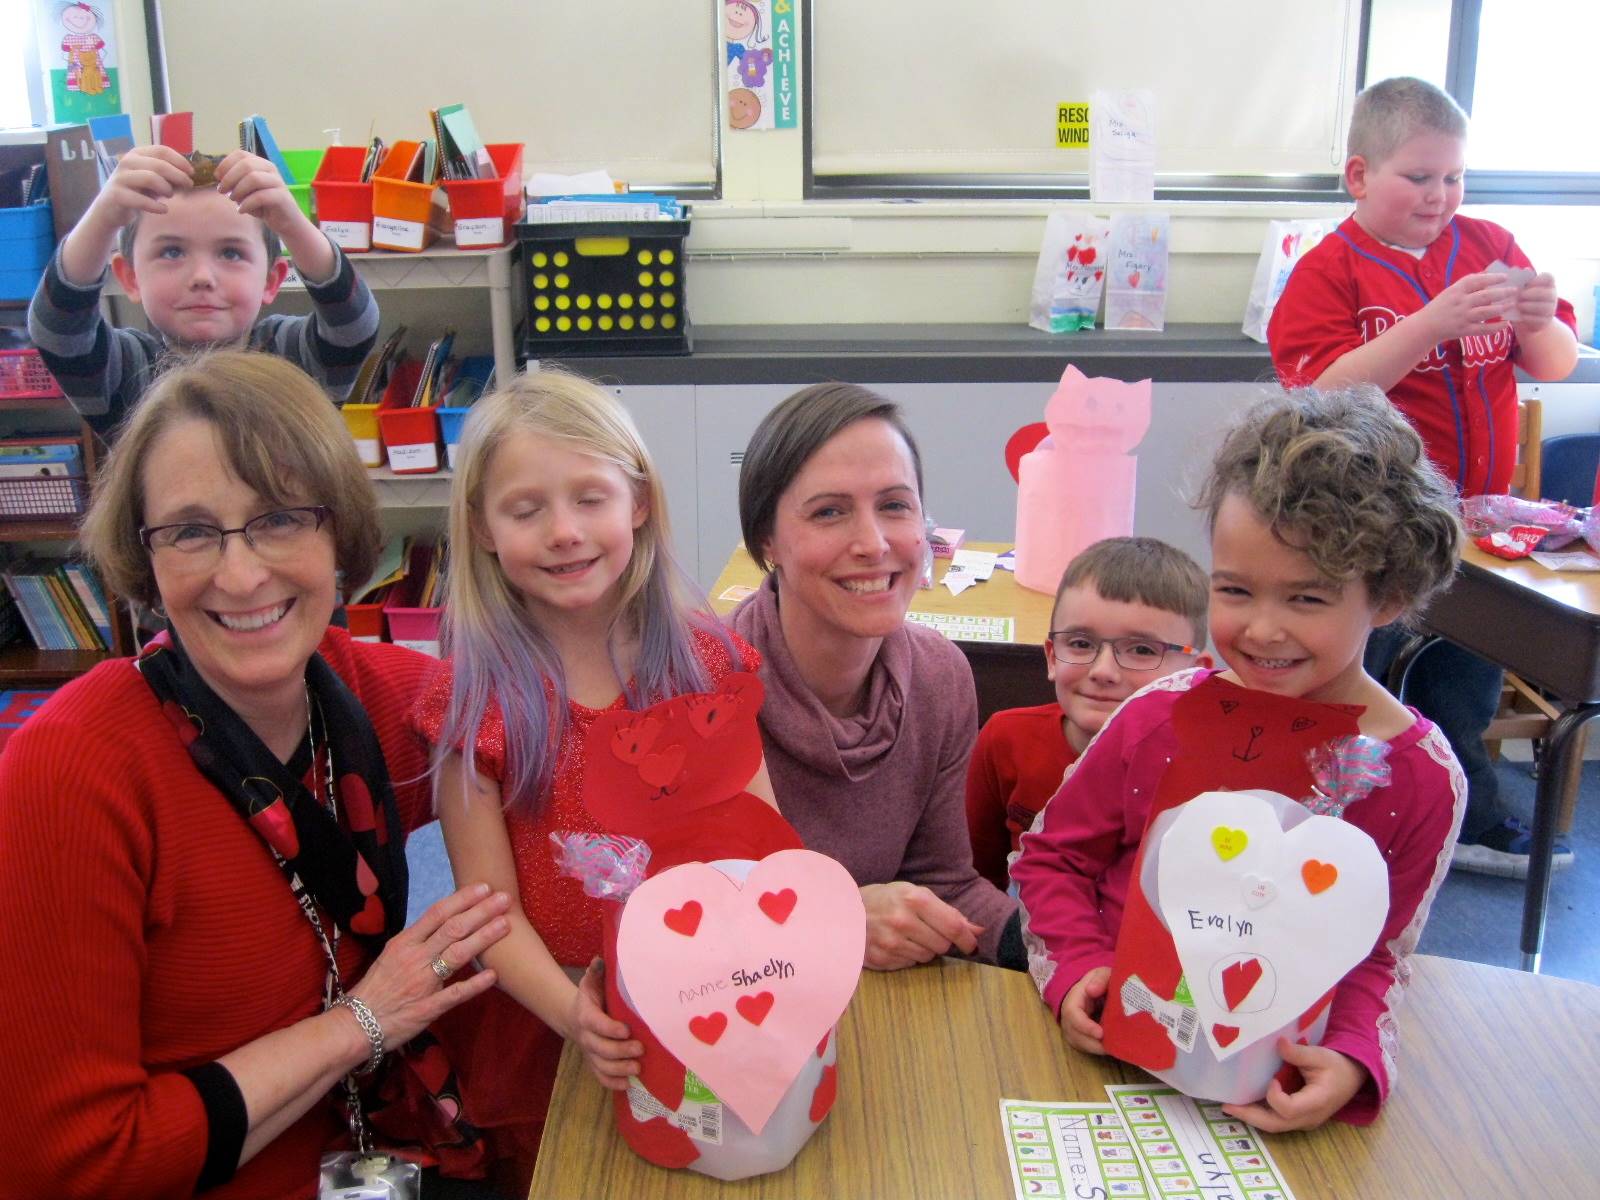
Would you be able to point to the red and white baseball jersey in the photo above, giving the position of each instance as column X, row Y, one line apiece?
column 1462, row 397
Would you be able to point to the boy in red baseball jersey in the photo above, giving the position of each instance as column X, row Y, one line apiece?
column 1438, row 310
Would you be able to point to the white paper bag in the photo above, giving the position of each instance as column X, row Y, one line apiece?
column 1071, row 273
column 1286, row 243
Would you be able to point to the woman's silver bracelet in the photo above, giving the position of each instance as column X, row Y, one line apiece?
column 369, row 1026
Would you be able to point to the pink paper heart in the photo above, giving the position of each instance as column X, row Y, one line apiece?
column 787, row 982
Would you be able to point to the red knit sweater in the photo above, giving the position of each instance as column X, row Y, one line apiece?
column 148, row 930
column 1016, row 767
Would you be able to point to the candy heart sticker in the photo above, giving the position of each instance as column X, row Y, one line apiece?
column 683, row 920
column 1228, row 843
column 1254, row 969
column 1259, row 892
column 782, row 952
column 1318, row 876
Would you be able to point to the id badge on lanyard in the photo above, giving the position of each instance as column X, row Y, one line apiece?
column 352, row 1175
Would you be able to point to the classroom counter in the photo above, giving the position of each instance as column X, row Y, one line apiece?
column 973, row 353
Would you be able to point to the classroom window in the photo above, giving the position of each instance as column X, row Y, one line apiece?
column 630, row 88
column 1522, row 69
column 21, row 98
column 950, row 97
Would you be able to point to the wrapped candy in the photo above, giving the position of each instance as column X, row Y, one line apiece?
column 1345, row 770
column 608, row 865
column 1485, row 516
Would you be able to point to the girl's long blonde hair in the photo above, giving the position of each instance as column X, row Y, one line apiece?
column 498, row 652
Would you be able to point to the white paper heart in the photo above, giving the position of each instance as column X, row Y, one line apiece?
column 1252, row 969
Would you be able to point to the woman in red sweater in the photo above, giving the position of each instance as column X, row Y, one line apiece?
column 205, row 886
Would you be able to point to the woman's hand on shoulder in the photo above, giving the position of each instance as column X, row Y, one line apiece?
column 907, row 924
column 1331, row 1081
column 404, row 990
column 612, row 1055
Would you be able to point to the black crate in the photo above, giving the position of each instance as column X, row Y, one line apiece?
column 605, row 287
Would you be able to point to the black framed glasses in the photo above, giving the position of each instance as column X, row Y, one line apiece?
column 1132, row 653
column 272, row 535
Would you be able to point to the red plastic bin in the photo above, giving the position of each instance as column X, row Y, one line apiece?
column 344, row 203
column 411, row 439
column 366, row 621
column 484, row 212
column 415, row 628
column 23, row 376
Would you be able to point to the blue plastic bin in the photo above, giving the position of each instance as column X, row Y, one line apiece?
column 27, row 238
column 450, row 422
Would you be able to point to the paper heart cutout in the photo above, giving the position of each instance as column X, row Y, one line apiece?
column 663, row 767
column 1318, row 876
column 709, row 1029
column 1305, row 943
column 755, row 1008
column 683, row 920
column 778, row 905
column 1225, row 1035
column 809, row 965
column 631, row 742
column 1259, row 892
column 1238, row 979
column 1228, row 843
column 827, row 1092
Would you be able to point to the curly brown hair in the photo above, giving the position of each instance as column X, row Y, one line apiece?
column 1343, row 476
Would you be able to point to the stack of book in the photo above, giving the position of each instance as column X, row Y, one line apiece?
column 61, row 603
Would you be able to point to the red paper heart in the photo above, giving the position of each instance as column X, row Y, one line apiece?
column 778, row 905
column 1309, row 1017
column 1225, row 1034
column 1319, row 876
column 827, row 1092
column 822, row 1046
column 632, row 742
column 683, row 920
column 1237, row 980
column 709, row 1029
column 1022, row 442
column 755, row 1008
column 660, row 769
column 709, row 714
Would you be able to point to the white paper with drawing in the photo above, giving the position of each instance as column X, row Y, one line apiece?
column 1136, row 287
column 1122, row 147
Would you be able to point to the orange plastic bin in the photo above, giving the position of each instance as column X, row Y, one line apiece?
column 402, row 211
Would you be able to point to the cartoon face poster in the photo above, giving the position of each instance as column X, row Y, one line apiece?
column 759, row 37
column 78, row 51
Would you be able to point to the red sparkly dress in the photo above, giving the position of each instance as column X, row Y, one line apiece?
column 507, row 1085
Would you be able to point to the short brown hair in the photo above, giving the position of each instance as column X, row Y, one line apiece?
column 787, row 438
column 1343, row 476
column 1142, row 570
column 276, row 429
column 130, row 233
column 1392, row 111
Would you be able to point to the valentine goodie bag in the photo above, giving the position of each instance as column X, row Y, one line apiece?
column 1285, row 245
column 733, row 974
column 1077, row 485
column 1246, row 908
column 1070, row 274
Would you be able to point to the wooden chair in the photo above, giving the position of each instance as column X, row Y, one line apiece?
column 1524, row 713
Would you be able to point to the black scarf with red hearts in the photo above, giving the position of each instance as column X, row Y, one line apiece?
column 354, row 865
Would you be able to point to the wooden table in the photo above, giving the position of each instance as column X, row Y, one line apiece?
column 1495, row 1098
column 1545, row 626
column 1007, row 674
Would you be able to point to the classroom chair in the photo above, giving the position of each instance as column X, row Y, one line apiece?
column 1570, row 463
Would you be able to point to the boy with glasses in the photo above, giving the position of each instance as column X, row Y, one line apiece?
column 1128, row 611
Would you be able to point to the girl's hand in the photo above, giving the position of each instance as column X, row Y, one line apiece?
column 1080, row 1008
column 1536, row 305
column 1331, row 1081
column 401, row 987
column 604, row 1041
column 908, row 924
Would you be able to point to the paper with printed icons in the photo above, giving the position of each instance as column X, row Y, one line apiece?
column 742, row 983
column 1266, row 920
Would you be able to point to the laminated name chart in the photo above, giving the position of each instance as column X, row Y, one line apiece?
column 1072, row 1149
column 1193, row 1150
column 967, row 627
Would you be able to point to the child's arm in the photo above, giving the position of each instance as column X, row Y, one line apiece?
column 253, row 183
column 480, row 851
column 1472, row 305
column 144, row 178
column 1546, row 347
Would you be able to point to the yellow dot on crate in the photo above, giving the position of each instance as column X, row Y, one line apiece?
column 584, row 300
column 646, row 300
column 585, row 324
column 539, row 258
column 563, row 323
column 625, row 321
column 668, row 299
column 606, row 322
column 561, row 259
column 668, row 321
column 541, row 302
column 646, row 279
column 541, row 281
column 666, row 257
column 542, row 324
column 605, row 300
column 562, row 281
column 645, row 258
column 647, row 322
column 668, row 279
column 625, row 300
column 563, row 302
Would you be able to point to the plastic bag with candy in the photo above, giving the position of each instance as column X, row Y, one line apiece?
column 1517, row 542
column 1486, row 515
column 608, row 865
column 1345, row 770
